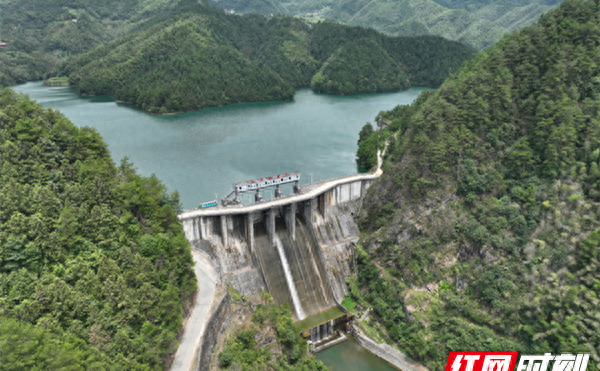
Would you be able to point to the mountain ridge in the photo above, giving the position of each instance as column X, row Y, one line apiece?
column 477, row 24
column 276, row 55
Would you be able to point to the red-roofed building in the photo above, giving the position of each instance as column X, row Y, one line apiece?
column 2, row 44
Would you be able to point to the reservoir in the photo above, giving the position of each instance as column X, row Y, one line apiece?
column 204, row 152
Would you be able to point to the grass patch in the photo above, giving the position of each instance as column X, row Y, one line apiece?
column 371, row 332
column 235, row 294
column 349, row 303
column 319, row 318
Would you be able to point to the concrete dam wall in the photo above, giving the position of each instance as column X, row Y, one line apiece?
column 304, row 285
column 300, row 248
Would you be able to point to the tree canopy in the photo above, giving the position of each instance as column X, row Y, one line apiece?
column 478, row 23
column 483, row 231
column 94, row 265
column 41, row 34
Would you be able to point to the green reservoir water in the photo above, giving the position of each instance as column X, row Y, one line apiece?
column 204, row 152
column 350, row 356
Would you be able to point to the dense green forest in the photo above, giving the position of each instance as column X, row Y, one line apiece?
column 360, row 65
column 205, row 58
column 478, row 23
column 42, row 33
column 94, row 266
column 483, row 233
column 251, row 347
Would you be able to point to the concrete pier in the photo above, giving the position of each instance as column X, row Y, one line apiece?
column 308, row 210
column 250, row 231
column 290, row 219
column 270, row 225
column 224, row 229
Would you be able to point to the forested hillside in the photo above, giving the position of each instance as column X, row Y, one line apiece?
column 251, row 347
column 478, row 23
column 42, row 33
column 350, row 70
column 205, row 58
column 94, row 266
column 483, row 233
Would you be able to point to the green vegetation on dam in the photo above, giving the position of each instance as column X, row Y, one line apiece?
column 318, row 318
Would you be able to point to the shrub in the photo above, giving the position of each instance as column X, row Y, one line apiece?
column 225, row 359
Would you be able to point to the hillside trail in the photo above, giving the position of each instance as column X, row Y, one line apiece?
column 380, row 154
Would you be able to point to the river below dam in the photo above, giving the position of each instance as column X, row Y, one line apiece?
column 203, row 153
column 351, row 356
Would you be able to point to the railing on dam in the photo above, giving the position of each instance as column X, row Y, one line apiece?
column 313, row 185
column 308, row 192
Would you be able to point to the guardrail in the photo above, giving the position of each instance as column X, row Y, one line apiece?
column 305, row 190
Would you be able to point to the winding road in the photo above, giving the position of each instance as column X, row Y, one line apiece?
column 207, row 281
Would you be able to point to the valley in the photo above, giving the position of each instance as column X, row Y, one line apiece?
column 472, row 222
column 147, row 140
column 478, row 24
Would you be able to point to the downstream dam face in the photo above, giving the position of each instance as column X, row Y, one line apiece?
column 299, row 248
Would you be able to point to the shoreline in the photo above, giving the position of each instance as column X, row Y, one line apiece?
column 264, row 101
column 192, row 110
column 250, row 102
column 49, row 83
column 66, row 84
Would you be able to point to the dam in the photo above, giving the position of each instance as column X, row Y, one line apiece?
column 298, row 247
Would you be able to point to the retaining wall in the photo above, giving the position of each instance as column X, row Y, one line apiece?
column 331, row 343
column 391, row 355
column 215, row 325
